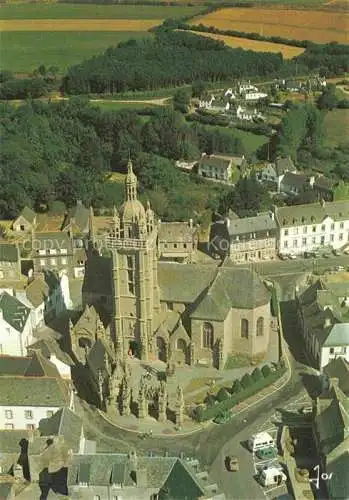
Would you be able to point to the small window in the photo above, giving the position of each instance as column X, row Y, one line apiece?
column 341, row 225
column 28, row 414
column 340, row 236
column 9, row 427
column 314, row 229
column 175, row 245
column 64, row 261
column 53, row 262
column 332, row 227
column 331, row 350
column 64, row 251
column 286, row 232
column 22, row 228
column 244, row 328
column 260, row 326
column 49, row 413
column 184, row 245
column 323, row 227
column 97, row 497
column 8, row 414
column 30, row 427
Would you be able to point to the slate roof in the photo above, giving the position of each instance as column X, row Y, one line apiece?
column 339, row 335
column 13, row 365
column 323, row 182
column 63, row 423
column 28, row 214
column 49, row 347
column 37, row 292
column 283, row 165
column 52, row 240
column 181, row 483
column 33, row 391
column 294, row 180
column 6, row 488
column 231, row 288
column 14, row 312
column 80, row 216
column 8, row 252
column 339, row 368
column 215, row 161
column 9, row 440
column 176, row 231
column 338, row 465
column 255, row 224
column 183, row 282
column 313, row 213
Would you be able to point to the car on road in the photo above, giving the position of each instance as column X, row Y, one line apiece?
column 283, row 256
column 221, row 418
column 266, row 453
column 292, row 256
column 232, row 464
column 336, row 252
column 326, row 255
column 339, row 268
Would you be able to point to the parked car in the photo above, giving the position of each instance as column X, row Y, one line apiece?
column 339, row 268
column 272, row 476
column 266, row 453
column 316, row 255
column 283, row 256
column 292, row 256
column 232, row 464
column 326, row 255
column 336, row 252
column 221, row 418
column 306, row 410
column 259, row 441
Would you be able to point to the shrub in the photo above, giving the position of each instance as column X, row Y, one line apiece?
column 236, row 387
column 246, row 381
column 266, row 371
column 210, row 400
column 222, row 395
column 256, row 374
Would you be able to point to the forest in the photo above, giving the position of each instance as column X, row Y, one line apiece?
column 171, row 58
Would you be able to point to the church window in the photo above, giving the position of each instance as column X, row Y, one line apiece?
column 181, row 345
column 207, row 335
column 260, row 326
column 244, row 328
column 130, row 274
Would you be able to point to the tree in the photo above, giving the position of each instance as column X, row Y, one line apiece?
column 341, row 192
column 181, row 100
column 222, row 395
column 266, row 371
column 246, row 199
column 236, row 387
column 328, row 99
column 246, row 381
column 198, row 89
column 256, row 374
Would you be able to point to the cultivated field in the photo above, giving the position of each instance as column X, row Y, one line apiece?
column 79, row 25
column 337, row 127
column 91, row 11
column 23, row 51
column 316, row 25
column 232, row 41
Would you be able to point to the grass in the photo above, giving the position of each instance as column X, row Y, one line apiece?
column 287, row 51
column 22, row 52
column 100, row 25
column 237, row 361
column 251, row 142
column 92, row 11
column 315, row 25
column 117, row 177
column 116, row 106
column 337, row 127
column 199, row 383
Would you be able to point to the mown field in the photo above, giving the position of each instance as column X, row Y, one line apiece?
column 316, row 25
column 22, row 52
column 337, row 127
column 93, row 11
column 287, row 51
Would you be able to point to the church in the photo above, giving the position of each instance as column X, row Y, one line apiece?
column 180, row 313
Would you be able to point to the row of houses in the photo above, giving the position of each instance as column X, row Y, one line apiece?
column 284, row 230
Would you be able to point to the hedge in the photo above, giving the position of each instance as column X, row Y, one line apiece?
column 203, row 414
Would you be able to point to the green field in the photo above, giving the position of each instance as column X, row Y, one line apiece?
column 23, row 51
column 337, row 127
column 251, row 142
column 116, row 106
column 92, row 11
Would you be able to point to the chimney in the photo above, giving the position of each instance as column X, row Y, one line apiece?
column 311, row 181
column 272, row 215
column 327, row 322
column 190, row 223
column 227, row 222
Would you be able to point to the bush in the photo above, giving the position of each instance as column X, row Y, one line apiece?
column 222, row 395
column 246, row 381
column 210, row 400
column 236, row 387
column 256, row 374
column 266, row 371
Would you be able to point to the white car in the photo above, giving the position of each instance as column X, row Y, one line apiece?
column 292, row 256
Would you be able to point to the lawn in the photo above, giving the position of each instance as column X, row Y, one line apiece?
column 337, row 127
column 92, row 11
column 22, row 52
column 315, row 25
column 116, row 106
column 251, row 142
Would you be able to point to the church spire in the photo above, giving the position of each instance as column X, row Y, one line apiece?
column 130, row 183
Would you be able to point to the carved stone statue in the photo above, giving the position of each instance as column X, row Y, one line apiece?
column 162, row 402
column 179, row 408
column 142, row 400
column 126, row 396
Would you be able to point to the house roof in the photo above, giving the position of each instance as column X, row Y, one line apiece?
column 339, row 368
column 176, row 231
column 52, row 241
column 297, row 215
column 8, row 252
column 14, row 312
column 63, row 423
column 283, row 165
column 181, row 483
column 338, row 465
column 30, row 366
column 10, row 440
column 324, row 182
column 231, row 288
column 183, row 283
column 255, row 224
column 294, row 180
column 37, row 292
column 48, row 347
column 28, row 214
column 33, row 391
column 77, row 218
column 338, row 336
column 215, row 161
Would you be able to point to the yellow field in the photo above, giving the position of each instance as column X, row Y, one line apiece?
column 315, row 25
column 79, row 24
column 234, row 41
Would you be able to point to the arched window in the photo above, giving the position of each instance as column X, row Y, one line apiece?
column 260, row 326
column 181, row 345
column 244, row 328
column 207, row 335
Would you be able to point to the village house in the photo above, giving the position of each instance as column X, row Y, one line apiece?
column 323, row 311
column 52, row 251
column 51, row 350
column 248, row 115
column 275, row 172
column 294, row 184
column 254, row 96
column 16, row 331
column 219, row 167
column 25, row 222
column 10, row 262
column 30, row 390
column 337, row 368
column 305, row 228
column 249, row 239
column 177, row 241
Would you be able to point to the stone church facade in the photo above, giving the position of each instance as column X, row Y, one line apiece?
column 178, row 313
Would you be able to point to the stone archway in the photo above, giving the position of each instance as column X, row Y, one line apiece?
column 161, row 349
column 133, row 349
column 181, row 352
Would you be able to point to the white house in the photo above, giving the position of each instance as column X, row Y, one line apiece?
column 30, row 390
column 275, row 172
column 16, row 331
column 50, row 349
column 229, row 93
column 323, row 310
column 255, row 96
column 305, row 228
column 206, row 103
column 247, row 87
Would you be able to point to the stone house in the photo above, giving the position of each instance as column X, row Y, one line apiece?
column 218, row 167
column 177, row 241
column 249, row 239
column 10, row 262
column 52, row 251
column 16, row 331
column 304, row 228
column 295, row 183
column 275, row 172
column 323, row 311
column 25, row 222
